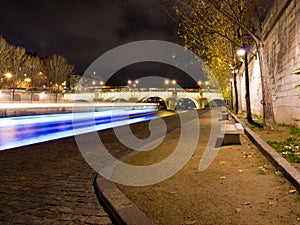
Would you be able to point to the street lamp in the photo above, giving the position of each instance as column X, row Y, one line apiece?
column 243, row 53
column 166, row 82
column 27, row 80
column 8, row 75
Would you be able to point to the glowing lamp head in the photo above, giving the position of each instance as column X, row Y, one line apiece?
column 241, row 52
column 8, row 75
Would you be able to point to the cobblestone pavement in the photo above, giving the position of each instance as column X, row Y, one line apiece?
column 48, row 183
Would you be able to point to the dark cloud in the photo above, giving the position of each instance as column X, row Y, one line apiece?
column 80, row 30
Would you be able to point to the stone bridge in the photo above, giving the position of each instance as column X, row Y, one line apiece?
column 170, row 98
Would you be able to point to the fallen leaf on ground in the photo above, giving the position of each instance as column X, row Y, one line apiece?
column 238, row 209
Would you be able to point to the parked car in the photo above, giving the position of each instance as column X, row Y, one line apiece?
column 159, row 101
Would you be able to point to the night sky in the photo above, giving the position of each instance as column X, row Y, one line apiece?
column 81, row 30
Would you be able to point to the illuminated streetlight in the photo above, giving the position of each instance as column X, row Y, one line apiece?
column 101, row 82
column 173, row 82
column 129, row 82
column 207, row 83
column 167, row 81
column 244, row 53
column 199, row 82
column 241, row 52
column 8, row 75
column 27, row 80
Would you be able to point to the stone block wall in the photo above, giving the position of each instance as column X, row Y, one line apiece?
column 282, row 44
column 281, row 34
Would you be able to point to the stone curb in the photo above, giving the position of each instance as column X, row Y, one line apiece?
column 280, row 163
column 118, row 206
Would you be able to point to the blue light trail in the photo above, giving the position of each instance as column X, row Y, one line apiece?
column 27, row 130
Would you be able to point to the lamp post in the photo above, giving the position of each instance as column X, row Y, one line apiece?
column 235, row 91
column 243, row 53
column 8, row 75
column 166, row 82
column 174, row 83
column 207, row 85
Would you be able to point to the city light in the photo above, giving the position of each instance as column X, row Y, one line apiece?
column 27, row 80
column 8, row 75
column 241, row 52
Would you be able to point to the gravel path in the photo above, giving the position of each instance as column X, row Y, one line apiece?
column 240, row 187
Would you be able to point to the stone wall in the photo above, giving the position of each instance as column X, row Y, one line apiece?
column 281, row 32
column 23, row 96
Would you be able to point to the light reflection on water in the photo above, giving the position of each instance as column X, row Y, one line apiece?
column 27, row 130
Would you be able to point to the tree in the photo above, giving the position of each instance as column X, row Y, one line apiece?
column 33, row 70
column 5, row 51
column 238, row 22
column 57, row 70
column 18, row 58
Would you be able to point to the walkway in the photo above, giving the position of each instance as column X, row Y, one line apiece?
column 239, row 187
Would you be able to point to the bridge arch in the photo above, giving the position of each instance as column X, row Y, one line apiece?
column 161, row 102
column 216, row 102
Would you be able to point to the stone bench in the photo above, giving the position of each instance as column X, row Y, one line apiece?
column 232, row 133
column 224, row 115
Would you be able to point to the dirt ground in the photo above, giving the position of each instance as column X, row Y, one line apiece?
column 239, row 187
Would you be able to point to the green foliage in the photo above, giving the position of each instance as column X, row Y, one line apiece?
column 290, row 148
column 295, row 131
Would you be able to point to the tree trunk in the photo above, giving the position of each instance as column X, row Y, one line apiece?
column 269, row 121
column 247, row 95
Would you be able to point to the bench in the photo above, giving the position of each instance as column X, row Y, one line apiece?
column 232, row 134
column 224, row 115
